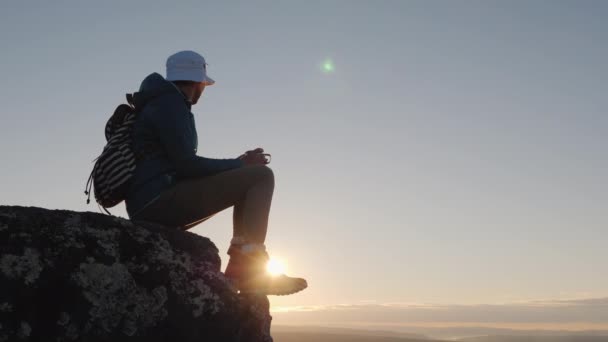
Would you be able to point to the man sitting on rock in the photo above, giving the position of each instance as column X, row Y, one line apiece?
column 175, row 187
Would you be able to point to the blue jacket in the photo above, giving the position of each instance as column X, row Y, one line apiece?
column 165, row 135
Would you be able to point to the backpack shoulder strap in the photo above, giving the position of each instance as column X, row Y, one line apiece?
column 138, row 100
column 130, row 100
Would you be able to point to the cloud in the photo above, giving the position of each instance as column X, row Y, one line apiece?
column 589, row 313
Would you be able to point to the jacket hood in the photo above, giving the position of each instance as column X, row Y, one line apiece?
column 151, row 87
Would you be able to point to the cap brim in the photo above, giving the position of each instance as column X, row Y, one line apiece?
column 189, row 75
column 209, row 81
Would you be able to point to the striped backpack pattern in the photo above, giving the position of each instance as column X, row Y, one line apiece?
column 114, row 168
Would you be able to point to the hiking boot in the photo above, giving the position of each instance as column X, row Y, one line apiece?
column 247, row 272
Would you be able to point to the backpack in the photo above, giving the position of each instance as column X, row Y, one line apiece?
column 114, row 168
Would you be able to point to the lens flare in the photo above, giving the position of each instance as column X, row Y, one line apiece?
column 328, row 66
column 275, row 267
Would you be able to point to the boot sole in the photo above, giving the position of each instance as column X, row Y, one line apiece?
column 271, row 291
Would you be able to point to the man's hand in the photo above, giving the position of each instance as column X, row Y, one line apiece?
column 254, row 157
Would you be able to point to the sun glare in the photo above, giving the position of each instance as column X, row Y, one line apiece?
column 275, row 267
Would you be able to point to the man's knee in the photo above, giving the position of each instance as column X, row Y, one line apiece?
column 267, row 173
column 263, row 173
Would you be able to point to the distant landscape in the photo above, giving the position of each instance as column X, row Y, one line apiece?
column 327, row 337
column 327, row 334
column 536, row 339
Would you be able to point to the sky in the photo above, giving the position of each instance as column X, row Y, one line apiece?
column 454, row 157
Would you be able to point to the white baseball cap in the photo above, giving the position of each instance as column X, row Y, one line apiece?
column 187, row 66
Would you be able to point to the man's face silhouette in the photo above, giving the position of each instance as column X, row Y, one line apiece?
column 198, row 91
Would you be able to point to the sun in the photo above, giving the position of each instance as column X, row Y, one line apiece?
column 275, row 267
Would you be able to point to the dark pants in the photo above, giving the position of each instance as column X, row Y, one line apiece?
column 189, row 202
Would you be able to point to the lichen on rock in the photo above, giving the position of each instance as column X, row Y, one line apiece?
column 25, row 267
column 116, row 300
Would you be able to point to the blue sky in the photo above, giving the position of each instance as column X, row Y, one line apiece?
column 456, row 155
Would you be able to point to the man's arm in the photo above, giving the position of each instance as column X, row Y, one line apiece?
column 177, row 135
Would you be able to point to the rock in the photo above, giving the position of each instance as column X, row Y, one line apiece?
column 70, row 276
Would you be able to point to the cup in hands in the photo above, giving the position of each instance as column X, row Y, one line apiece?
column 255, row 157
